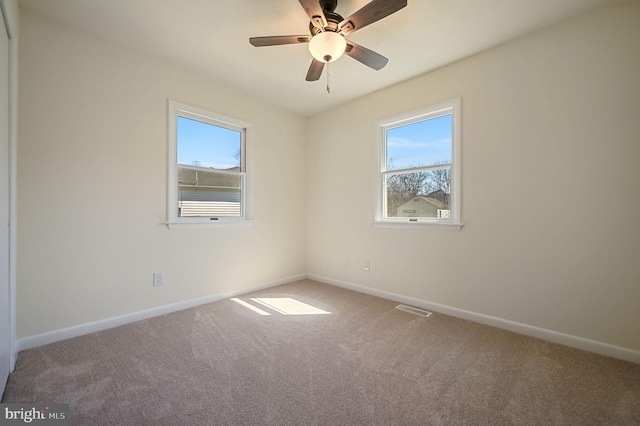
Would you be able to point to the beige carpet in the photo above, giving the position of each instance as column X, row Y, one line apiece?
column 362, row 363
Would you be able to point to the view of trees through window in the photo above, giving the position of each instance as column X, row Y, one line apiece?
column 401, row 188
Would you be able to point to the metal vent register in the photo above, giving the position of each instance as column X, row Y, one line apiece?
column 415, row 311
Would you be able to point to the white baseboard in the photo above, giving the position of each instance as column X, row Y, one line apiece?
column 92, row 327
column 540, row 333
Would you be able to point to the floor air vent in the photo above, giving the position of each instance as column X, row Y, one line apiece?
column 413, row 310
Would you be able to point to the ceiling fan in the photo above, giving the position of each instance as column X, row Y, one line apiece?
column 327, row 41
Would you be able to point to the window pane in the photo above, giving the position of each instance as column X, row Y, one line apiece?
column 205, row 145
column 208, row 193
column 420, row 144
column 208, row 172
column 419, row 194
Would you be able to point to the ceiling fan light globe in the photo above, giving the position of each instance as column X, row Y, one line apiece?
column 327, row 46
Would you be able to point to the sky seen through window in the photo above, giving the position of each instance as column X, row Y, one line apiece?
column 205, row 145
column 420, row 144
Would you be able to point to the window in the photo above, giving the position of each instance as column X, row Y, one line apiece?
column 208, row 173
column 419, row 175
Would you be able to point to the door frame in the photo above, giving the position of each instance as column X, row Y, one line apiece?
column 10, row 12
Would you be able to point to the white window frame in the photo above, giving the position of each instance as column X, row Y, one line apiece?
column 454, row 222
column 177, row 109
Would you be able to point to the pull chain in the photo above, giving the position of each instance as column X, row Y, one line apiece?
column 328, row 77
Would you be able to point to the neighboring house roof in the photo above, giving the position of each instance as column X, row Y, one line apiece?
column 203, row 177
column 434, row 201
column 437, row 194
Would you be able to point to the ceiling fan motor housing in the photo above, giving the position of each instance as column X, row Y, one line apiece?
column 333, row 19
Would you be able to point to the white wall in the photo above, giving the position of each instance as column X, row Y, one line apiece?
column 92, row 185
column 551, row 155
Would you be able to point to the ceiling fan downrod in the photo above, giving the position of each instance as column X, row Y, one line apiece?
column 328, row 5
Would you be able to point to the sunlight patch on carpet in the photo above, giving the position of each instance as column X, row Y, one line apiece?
column 289, row 306
column 250, row 306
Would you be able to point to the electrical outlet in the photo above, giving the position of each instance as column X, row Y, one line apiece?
column 345, row 261
column 367, row 265
column 158, row 279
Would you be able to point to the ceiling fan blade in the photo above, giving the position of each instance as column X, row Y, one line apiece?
column 315, row 70
column 315, row 13
column 368, row 57
column 370, row 13
column 278, row 40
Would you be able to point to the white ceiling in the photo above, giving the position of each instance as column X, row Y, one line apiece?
column 211, row 37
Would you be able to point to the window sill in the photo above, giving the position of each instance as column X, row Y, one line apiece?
column 446, row 226
column 217, row 224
